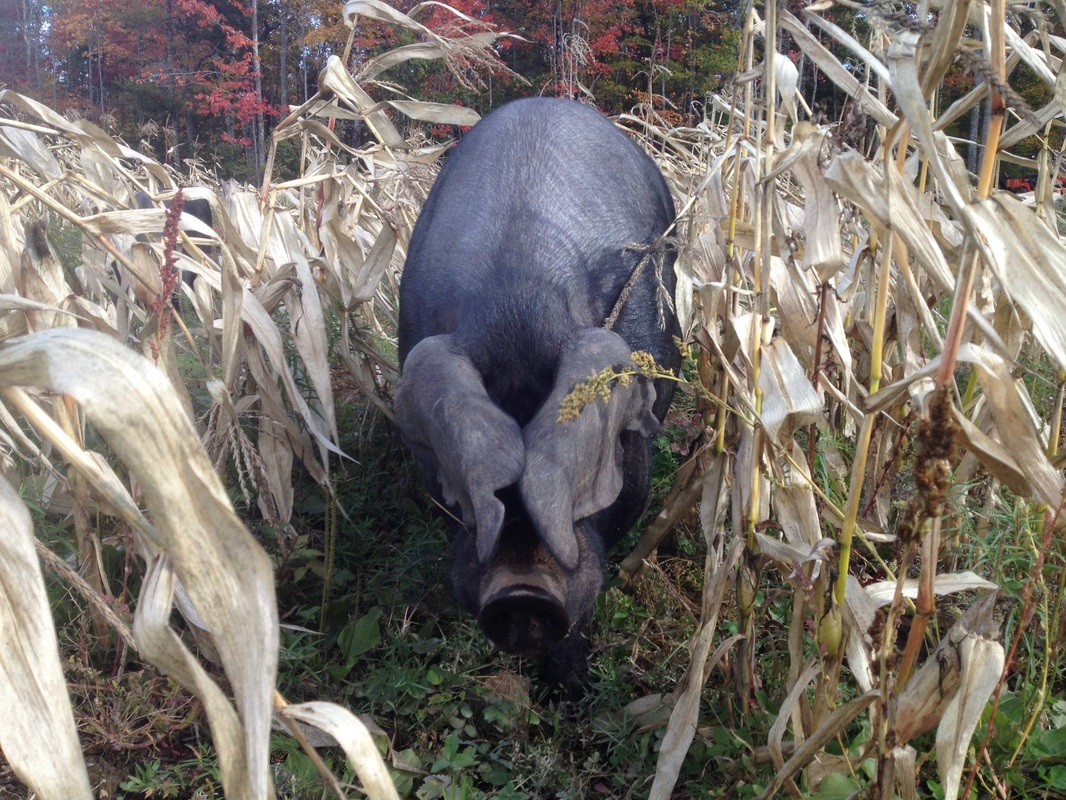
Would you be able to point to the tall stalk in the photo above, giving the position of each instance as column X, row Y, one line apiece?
column 746, row 578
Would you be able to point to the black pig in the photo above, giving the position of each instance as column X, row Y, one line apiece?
column 198, row 207
column 539, row 218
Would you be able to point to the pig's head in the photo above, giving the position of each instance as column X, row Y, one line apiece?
column 528, row 558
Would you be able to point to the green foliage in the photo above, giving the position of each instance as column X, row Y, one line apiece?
column 196, row 777
column 295, row 774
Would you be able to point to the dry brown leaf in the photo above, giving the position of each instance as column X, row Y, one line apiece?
column 353, row 737
column 37, row 730
column 1029, row 261
column 134, row 407
column 788, row 399
column 981, row 662
column 924, row 699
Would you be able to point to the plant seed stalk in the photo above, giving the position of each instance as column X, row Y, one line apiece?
column 926, row 603
column 862, row 446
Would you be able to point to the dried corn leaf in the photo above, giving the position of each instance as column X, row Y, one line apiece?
column 365, row 280
column 786, row 77
column 109, row 490
column 272, row 405
column 789, row 400
column 943, row 44
column 420, row 51
column 157, row 642
column 924, row 699
column 823, row 250
column 905, row 763
column 28, row 147
column 869, row 59
column 981, row 662
column 792, row 556
column 907, row 89
column 882, row 592
column 1017, row 455
column 1036, row 59
column 1029, row 261
column 784, row 713
column 374, row 9
column 343, row 254
column 831, row 728
column 42, row 112
column 335, row 80
column 272, row 344
column 354, row 738
column 714, row 504
column 10, row 237
column 436, row 113
column 37, row 732
column 834, row 70
column 1014, row 417
column 276, row 454
column 307, row 324
column 859, row 613
column 796, row 511
column 888, row 201
column 993, row 456
column 227, row 575
column 143, row 221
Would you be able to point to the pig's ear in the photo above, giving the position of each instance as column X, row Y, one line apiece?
column 466, row 441
column 629, row 408
column 575, row 468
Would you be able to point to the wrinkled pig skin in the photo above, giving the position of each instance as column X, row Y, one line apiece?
column 533, row 227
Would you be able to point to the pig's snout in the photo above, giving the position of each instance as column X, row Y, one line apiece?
column 523, row 612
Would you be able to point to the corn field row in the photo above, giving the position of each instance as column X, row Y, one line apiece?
column 855, row 302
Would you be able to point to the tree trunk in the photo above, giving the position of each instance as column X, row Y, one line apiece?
column 260, row 128
column 283, row 60
column 168, row 80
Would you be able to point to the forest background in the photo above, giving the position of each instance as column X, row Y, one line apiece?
column 188, row 79
column 185, row 78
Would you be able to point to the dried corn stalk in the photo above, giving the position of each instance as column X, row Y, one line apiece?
column 821, row 254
